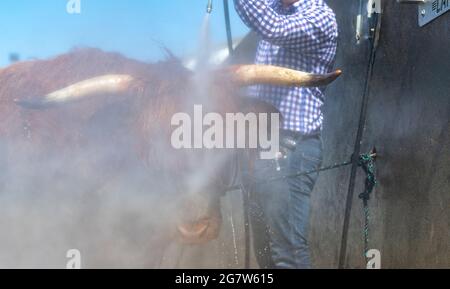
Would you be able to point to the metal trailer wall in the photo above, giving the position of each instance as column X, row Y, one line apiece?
column 407, row 121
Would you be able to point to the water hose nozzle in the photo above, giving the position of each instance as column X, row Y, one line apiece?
column 209, row 7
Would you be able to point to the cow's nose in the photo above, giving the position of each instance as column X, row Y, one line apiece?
column 200, row 232
column 192, row 232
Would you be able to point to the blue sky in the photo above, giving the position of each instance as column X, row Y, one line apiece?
column 43, row 28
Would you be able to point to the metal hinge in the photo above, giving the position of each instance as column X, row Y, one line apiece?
column 363, row 27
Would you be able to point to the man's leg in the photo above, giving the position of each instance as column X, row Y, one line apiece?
column 260, row 233
column 308, row 156
column 260, row 194
column 286, row 203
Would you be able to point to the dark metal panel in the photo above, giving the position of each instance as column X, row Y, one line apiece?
column 408, row 121
column 342, row 107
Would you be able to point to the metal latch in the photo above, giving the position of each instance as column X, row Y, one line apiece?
column 366, row 11
column 429, row 9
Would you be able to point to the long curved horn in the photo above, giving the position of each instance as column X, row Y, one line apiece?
column 112, row 83
column 266, row 74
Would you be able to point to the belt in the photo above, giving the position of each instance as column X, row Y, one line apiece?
column 289, row 141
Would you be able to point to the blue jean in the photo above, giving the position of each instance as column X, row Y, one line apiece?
column 280, row 210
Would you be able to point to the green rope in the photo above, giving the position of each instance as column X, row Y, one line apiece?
column 367, row 162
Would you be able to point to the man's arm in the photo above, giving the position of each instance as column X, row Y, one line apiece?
column 308, row 31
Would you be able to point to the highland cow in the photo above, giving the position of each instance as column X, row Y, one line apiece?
column 92, row 101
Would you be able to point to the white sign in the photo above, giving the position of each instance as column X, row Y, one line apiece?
column 432, row 9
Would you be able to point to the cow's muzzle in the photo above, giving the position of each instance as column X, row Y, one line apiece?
column 201, row 220
column 201, row 231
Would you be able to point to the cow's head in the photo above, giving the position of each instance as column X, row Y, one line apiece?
column 201, row 175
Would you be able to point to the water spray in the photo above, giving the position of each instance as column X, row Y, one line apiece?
column 209, row 7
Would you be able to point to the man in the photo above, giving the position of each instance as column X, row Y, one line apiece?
column 302, row 35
